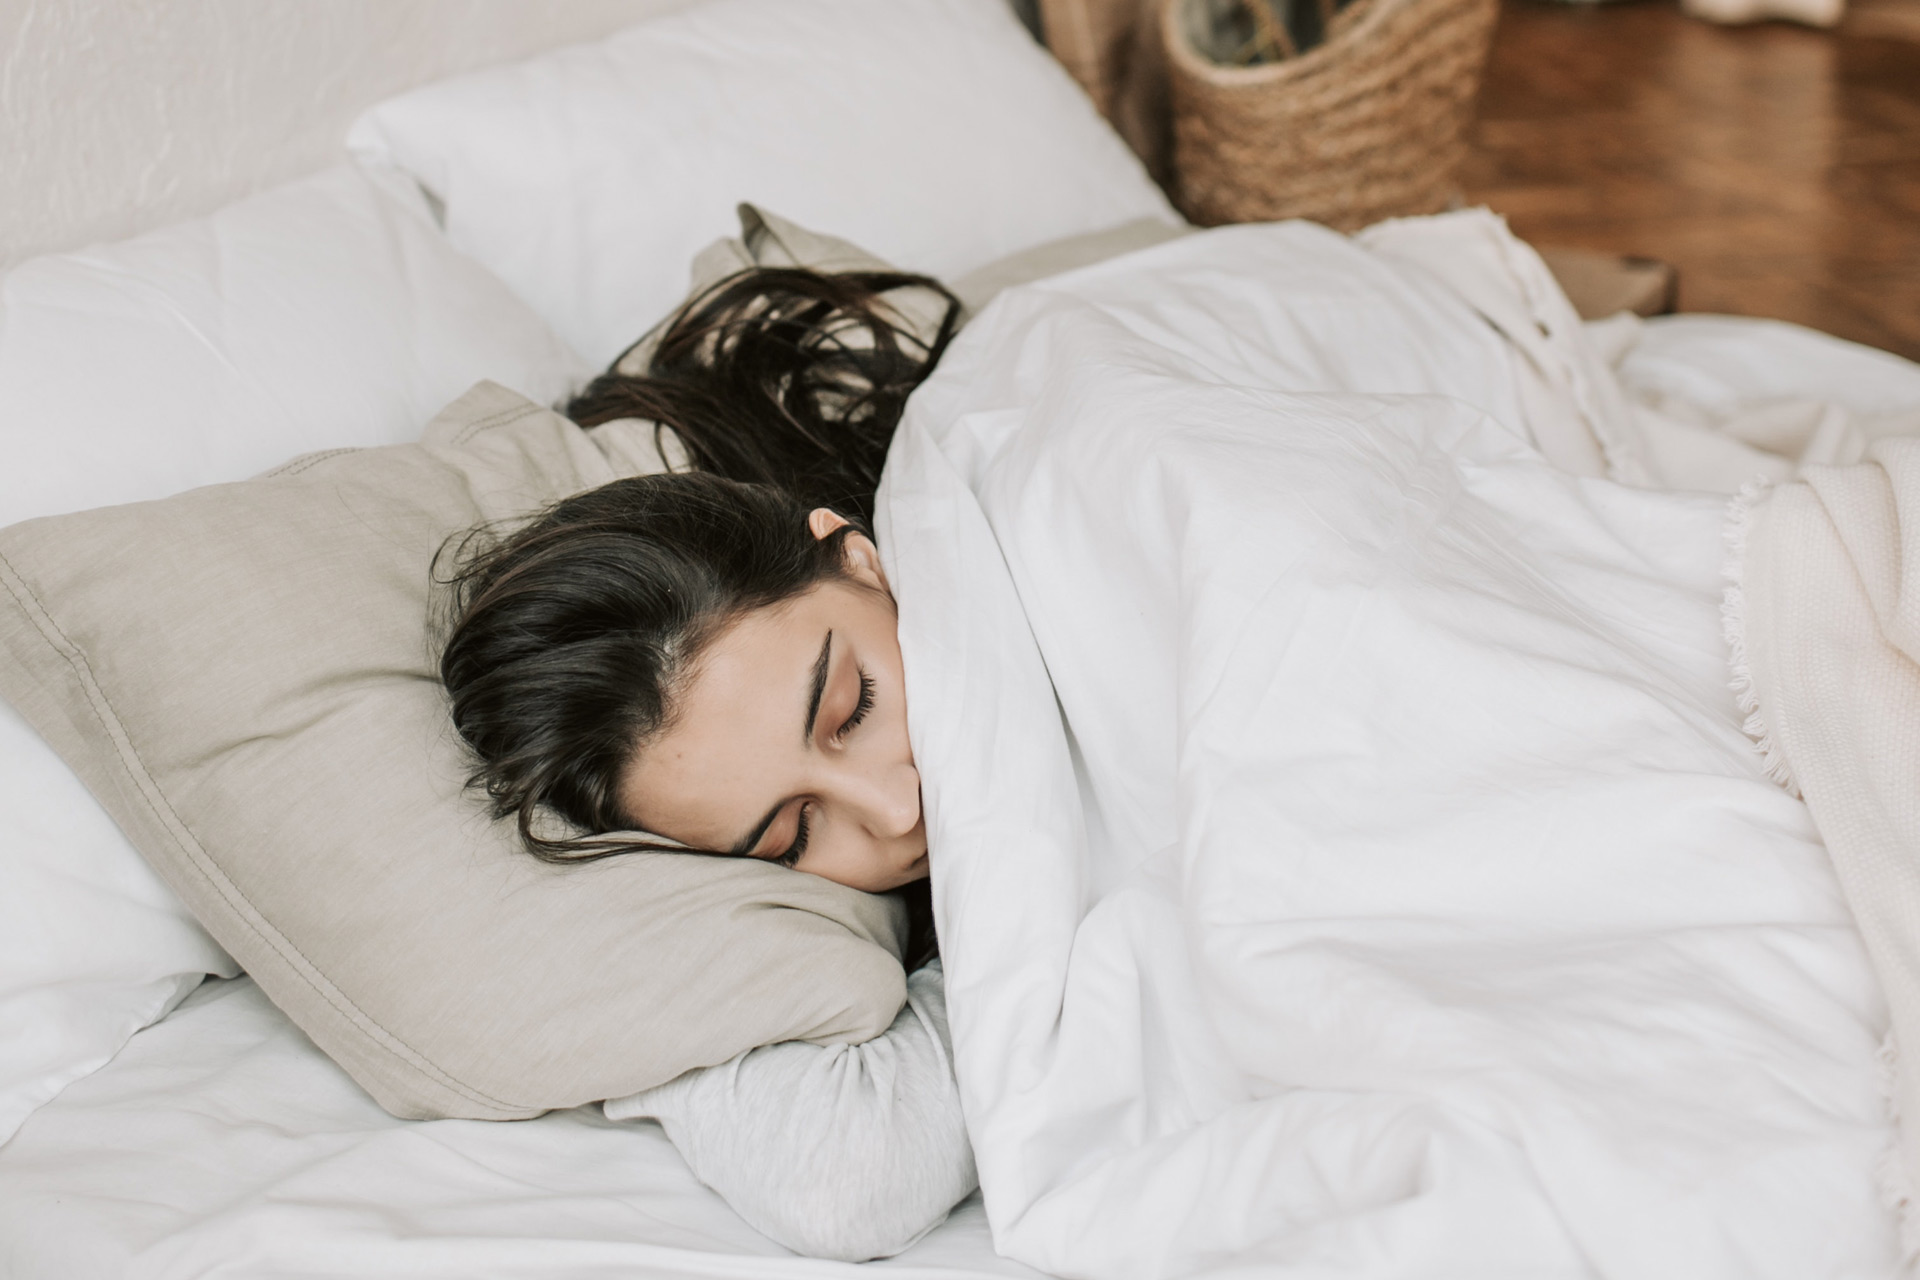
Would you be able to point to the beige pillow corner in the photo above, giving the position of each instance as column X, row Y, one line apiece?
column 241, row 674
column 768, row 240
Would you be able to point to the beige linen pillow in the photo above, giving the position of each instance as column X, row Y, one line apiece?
column 1056, row 257
column 242, row 675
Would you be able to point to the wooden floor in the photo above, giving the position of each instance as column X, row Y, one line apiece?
column 1777, row 167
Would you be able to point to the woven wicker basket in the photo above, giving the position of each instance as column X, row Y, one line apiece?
column 1371, row 124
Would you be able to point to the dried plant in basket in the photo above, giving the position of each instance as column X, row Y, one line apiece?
column 1369, row 124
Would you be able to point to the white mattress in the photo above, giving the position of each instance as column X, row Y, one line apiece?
column 221, row 1143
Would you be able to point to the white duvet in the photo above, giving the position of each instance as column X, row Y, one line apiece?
column 1347, row 856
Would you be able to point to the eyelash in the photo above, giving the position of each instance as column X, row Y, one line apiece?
column 799, row 845
column 860, row 708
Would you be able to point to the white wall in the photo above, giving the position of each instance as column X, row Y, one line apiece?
column 119, row 115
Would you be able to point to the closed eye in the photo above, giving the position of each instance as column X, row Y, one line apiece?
column 860, row 708
column 799, row 845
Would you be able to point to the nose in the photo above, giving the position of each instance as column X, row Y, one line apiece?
column 885, row 800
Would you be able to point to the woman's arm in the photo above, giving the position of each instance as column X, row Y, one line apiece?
column 836, row 1151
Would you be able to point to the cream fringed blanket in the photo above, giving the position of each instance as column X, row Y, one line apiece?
column 1824, row 616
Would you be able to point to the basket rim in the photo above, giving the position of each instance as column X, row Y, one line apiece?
column 1180, row 51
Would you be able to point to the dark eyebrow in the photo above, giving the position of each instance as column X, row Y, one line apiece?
column 743, row 848
column 819, row 685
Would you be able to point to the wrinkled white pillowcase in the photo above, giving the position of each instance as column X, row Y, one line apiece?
column 934, row 133
column 327, row 313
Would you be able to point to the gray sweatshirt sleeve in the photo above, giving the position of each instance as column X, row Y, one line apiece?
column 836, row 1151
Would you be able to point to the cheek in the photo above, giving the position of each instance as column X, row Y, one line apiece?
column 670, row 795
column 896, row 723
column 895, row 710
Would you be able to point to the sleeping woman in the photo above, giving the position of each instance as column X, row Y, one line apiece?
column 710, row 657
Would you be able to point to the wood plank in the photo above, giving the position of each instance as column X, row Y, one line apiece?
column 1777, row 167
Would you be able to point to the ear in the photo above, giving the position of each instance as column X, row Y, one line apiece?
column 823, row 521
column 862, row 556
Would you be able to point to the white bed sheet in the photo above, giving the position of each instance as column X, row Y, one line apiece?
column 221, row 1143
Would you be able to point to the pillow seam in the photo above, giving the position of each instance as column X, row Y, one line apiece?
column 197, row 856
column 299, row 465
column 503, row 418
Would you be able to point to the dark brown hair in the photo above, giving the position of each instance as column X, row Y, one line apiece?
column 571, row 634
column 566, row 636
column 785, row 377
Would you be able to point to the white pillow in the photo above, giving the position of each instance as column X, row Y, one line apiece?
column 933, row 133
column 326, row 313
column 1723, row 364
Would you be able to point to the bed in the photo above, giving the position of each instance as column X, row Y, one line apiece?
column 165, row 1122
column 223, row 1143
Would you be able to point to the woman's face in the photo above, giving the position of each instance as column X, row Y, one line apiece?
column 789, row 738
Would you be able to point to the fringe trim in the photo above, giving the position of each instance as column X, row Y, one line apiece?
column 1891, row 1174
column 1733, row 625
